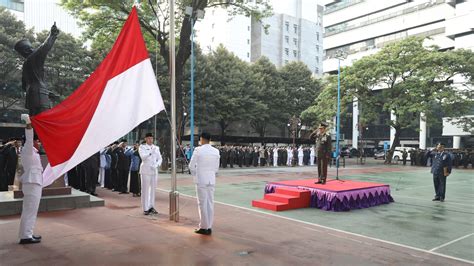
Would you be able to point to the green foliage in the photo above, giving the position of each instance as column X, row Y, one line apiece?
column 407, row 79
column 68, row 64
column 11, row 31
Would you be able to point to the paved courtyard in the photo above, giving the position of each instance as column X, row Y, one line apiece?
column 412, row 230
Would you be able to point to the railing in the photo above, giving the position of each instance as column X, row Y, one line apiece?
column 341, row 5
column 335, row 29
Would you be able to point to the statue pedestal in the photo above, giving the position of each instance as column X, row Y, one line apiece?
column 58, row 187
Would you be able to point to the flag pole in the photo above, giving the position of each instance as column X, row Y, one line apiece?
column 174, row 195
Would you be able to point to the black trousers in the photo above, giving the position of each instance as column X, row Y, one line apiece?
column 134, row 182
column 92, row 174
column 123, row 180
column 108, row 179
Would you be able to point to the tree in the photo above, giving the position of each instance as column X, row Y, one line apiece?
column 409, row 79
column 102, row 20
column 229, row 86
column 270, row 92
column 300, row 87
column 68, row 65
column 11, row 31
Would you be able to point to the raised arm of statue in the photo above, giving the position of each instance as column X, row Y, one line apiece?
column 43, row 50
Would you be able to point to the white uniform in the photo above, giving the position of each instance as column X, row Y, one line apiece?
column 275, row 157
column 32, row 183
column 103, row 163
column 151, row 160
column 300, row 156
column 204, row 165
column 311, row 156
column 289, row 151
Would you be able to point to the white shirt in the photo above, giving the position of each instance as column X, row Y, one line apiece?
column 300, row 152
column 312, row 152
column 151, row 159
column 204, row 164
column 31, row 161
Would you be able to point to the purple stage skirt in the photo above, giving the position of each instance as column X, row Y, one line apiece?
column 343, row 200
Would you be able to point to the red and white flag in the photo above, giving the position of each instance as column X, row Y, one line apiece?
column 120, row 94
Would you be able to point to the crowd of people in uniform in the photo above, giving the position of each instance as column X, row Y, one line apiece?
column 424, row 157
column 253, row 156
column 9, row 152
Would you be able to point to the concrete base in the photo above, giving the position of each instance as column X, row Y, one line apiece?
column 77, row 199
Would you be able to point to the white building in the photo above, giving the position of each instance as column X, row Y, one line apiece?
column 363, row 27
column 218, row 27
column 41, row 14
column 295, row 34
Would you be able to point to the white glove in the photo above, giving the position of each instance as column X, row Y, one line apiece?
column 26, row 118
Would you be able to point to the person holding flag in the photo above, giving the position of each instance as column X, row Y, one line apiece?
column 31, row 180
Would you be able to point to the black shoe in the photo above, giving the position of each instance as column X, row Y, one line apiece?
column 435, row 199
column 209, row 231
column 202, row 231
column 37, row 237
column 146, row 212
column 94, row 194
column 319, row 181
column 323, row 181
column 152, row 211
column 29, row 241
column 442, row 200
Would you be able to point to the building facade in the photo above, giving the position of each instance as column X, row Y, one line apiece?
column 294, row 34
column 41, row 15
column 362, row 27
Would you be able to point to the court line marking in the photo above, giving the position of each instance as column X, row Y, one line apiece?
column 451, row 242
column 334, row 229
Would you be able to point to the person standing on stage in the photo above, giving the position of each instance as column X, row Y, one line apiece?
column 32, row 184
column 323, row 151
column 441, row 168
column 204, row 165
column 151, row 160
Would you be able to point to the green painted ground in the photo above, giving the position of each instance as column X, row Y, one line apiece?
column 413, row 219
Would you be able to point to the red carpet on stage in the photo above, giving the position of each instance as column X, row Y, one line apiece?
column 336, row 195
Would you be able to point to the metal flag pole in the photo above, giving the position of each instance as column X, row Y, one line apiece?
column 338, row 115
column 191, row 117
column 174, row 195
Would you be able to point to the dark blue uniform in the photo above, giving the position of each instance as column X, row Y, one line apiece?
column 440, row 161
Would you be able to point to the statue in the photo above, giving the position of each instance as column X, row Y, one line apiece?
column 37, row 95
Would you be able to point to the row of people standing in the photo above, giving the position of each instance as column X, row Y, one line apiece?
column 8, row 162
column 421, row 157
column 265, row 156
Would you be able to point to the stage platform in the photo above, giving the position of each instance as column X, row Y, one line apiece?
column 338, row 195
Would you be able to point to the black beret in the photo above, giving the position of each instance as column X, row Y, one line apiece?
column 148, row 135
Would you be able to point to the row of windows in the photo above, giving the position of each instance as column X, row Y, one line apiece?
column 16, row 5
column 287, row 26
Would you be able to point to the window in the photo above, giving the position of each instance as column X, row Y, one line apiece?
column 287, row 26
column 317, row 70
column 287, row 39
column 286, row 61
column 295, row 53
column 317, row 59
column 248, row 28
column 295, row 41
column 295, row 27
column 248, row 55
column 212, row 39
column 248, row 41
column 287, row 51
column 212, row 26
column 317, row 36
column 317, row 47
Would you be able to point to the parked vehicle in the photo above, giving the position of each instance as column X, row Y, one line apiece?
column 379, row 155
column 398, row 153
